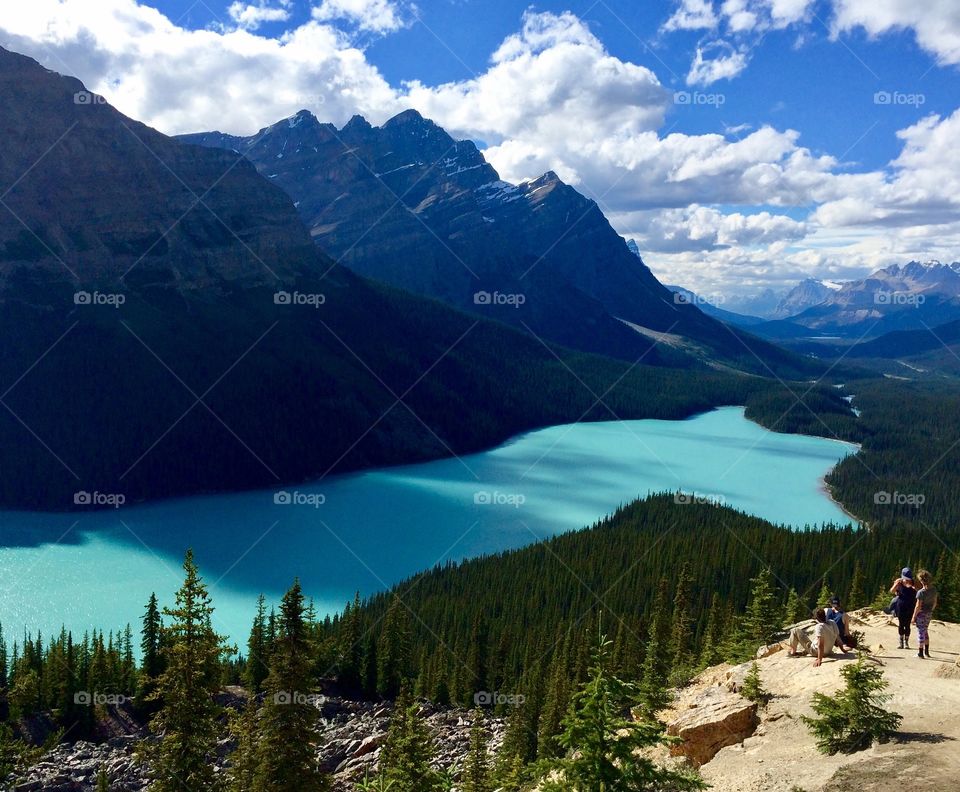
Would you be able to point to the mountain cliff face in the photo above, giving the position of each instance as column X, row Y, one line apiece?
column 407, row 204
column 806, row 294
column 170, row 328
column 92, row 194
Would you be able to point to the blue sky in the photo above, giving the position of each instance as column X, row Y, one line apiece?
column 808, row 82
column 743, row 143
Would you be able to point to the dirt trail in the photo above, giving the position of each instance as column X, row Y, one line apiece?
column 782, row 756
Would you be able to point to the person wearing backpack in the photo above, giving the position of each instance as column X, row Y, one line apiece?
column 904, row 604
column 838, row 616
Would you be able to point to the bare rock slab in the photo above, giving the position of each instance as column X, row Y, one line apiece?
column 716, row 718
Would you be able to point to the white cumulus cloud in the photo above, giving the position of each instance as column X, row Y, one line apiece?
column 251, row 16
column 709, row 211
column 934, row 23
column 375, row 16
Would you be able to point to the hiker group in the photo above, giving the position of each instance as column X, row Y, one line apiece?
column 912, row 604
column 831, row 631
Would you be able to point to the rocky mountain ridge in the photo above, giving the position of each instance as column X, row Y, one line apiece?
column 407, row 204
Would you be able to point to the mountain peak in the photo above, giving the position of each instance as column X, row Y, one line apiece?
column 410, row 116
column 357, row 123
column 300, row 117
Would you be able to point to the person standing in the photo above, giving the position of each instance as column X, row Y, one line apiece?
column 905, row 604
column 926, row 603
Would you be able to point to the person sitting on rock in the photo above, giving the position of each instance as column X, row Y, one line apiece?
column 839, row 616
column 822, row 642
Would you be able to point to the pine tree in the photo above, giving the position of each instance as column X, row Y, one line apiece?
column 604, row 747
column 763, row 615
column 128, row 666
column 152, row 662
column 3, row 665
column 103, row 783
column 243, row 761
column 948, row 586
column 752, row 688
column 351, row 647
column 256, row 670
column 476, row 676
column 511, row 774
column 188, row 718
column 654, row 684
column 793, row 609
column 476, row 773
column 825, row 595
column 409, row 749
column 555, row 703
column 393, row 651
column 857, row 598
column 712, row 652
column 851, row 719
column 286, row 733
column 681, row 636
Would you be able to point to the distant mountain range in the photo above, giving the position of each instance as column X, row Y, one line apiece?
column 169, row 327
column 806, row 294
column 730, row 317
column 407, row 204
column 907, row 296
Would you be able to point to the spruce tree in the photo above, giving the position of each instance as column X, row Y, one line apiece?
column 825, row 595
column 351, row 647
column 3, row 665
column 409, row 749
column 605, row 749
column 512, row 774
column 103, row 783
column 857, row 598
column 152, row 662
column 793, row 610
column 187, row 720
column 752, row 688
column 852, row 718
column 654, row 683
column 243, row 761
column 712, row 652
column 128, row 666
column 256, row 670
column 476, row 671
column 286, row 733
column 681, row 637
column 476, row 772
column 763, row 615
column 555, row 703
column 393, row 651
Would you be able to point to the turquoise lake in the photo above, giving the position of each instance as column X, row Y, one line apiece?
column 368, row 530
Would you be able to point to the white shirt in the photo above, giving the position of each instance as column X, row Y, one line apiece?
column 829, row 633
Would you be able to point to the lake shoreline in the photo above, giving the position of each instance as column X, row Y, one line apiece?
column 370, row 529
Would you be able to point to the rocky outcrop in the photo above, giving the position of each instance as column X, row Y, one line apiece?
column 74, row 767
column 351, row 738
column 354, row 733
column 716, row 718
column 769, row 649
